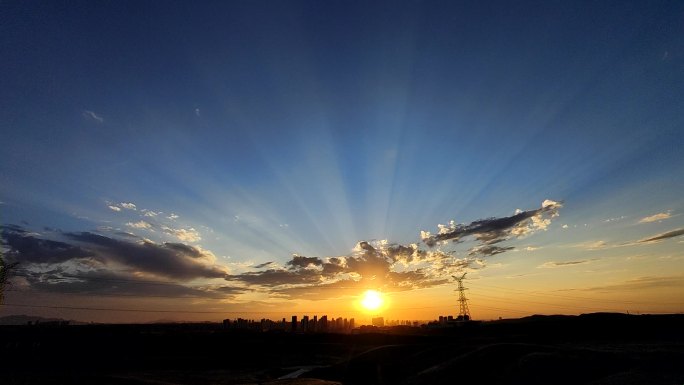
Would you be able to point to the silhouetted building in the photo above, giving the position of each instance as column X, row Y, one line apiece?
column 294, row 323
column 378, row 322
column 305, row 323
column 324, row 324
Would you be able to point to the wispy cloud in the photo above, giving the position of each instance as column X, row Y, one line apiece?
column 128, row 206
column 185, row 235
column 114, row 208
column 641, row 283
column 592, row 245
column 656, row 217
column 139, row 225
column 92, row 116
column 556, row 264
column 262, row 265
column 663, row 236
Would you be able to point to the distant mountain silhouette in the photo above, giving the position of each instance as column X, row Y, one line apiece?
column 25, row 319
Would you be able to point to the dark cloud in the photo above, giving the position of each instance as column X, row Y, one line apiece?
column 366, row 246
column 171, row 260
column 324, row 290
column 488, row 250
column 262, row 265
column 24, row 247
column 406, row 254
column 333, row 267
column 552, row 264
column 569, row 263
column 660, row 237
column 300, row 261
column 107, row 282
column 495, row 230
column 277, row 277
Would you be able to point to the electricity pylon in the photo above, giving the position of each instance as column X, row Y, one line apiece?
column 463, row 312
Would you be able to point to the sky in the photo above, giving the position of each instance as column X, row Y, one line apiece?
column 210, row 160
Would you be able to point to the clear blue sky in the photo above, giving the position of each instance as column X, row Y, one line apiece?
column 253, row 130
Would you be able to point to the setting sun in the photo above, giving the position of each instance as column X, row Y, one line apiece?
column 372, row 300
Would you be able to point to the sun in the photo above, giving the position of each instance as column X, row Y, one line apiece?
column 371, row 300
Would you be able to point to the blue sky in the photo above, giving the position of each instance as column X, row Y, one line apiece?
column 258, row 130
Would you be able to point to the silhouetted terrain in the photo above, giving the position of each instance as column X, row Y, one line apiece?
column 587, row 349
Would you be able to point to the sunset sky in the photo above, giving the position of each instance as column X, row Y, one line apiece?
column 211, row 160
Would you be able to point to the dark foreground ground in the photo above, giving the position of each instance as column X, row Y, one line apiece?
column 588, row 349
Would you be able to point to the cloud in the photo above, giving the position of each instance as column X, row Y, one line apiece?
column 185, row 235
column 593, row 245
column 643, row 283
column 488, row 250
column 114, row 208
column 128, row 206
column 139, row 225
column 90, row 115
column 197, row 112
column 277, row 277
column 494, row 230
column 300, row 261
column 169, row 260
column 101, row 281
column 25, row 247
column 395, row 267
column 150, row 213
column 262, row 265
column 554, row 264
column 173, row 217
column 655, row 217
column 663, row 236
column 379, row 264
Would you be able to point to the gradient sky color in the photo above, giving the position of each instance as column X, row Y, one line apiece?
column 213, row 157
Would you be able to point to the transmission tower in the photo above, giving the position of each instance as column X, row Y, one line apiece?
column 463, row 312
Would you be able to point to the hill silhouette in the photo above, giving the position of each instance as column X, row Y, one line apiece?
column 586, row 349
